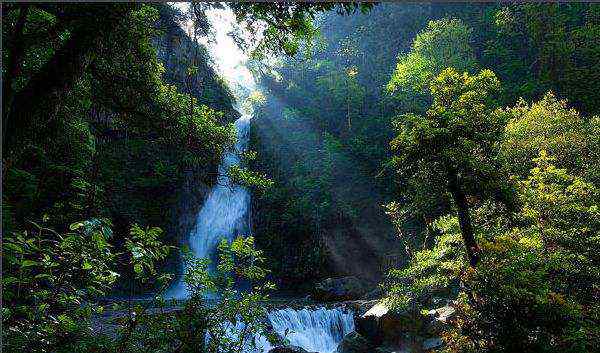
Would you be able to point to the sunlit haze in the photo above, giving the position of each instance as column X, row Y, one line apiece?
column 228, row 57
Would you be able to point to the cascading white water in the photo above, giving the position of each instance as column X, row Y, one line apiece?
column 316, row 330
column 225, row 213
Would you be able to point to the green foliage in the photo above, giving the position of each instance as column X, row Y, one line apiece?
column 335, row 86
column 535, row 48
column 114, row 147
column 120, row 139
column 545, row 269
column 563, row 209
column 52, row 280
column 109, row 109
column 526, row 46
column 283, row 26
column 295, row 187
column 242, row 312
column 218, row 316
column 345, row 90
column 48, row 280
column 146, row 250
column 548, row 125
column 444, row 43
column 536, row 287
column 458, row 135
column 243, row 176
column 322, row 137
column 431, row 272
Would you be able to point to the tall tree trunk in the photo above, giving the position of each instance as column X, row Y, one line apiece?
column 464, row 219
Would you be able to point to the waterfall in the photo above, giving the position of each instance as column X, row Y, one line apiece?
column 225, row 213
column 316, row 330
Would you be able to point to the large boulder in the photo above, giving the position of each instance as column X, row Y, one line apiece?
column 443, row 314
column 380, row 324
column 403, row 330
column 374, row 294
column 368, row 324
column 354, row 343
column 340, row 289
column 288, row 349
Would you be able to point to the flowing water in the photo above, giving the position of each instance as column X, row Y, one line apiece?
column 225, row 213
column 316, row 330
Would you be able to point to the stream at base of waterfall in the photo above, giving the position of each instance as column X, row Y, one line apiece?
column 316, row 330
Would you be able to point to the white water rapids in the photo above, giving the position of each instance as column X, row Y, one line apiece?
column 225, row 215
column 316, row 330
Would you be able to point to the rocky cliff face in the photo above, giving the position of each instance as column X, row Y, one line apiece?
column 184, row 212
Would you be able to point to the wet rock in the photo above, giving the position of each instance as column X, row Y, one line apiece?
column 288, row 349
column 380, row 324
column 354, row 343
column 445, row 313
column 403, row 331
column 340, row 289
column 368, row 324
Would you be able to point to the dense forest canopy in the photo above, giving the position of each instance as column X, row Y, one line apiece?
column 420, row 154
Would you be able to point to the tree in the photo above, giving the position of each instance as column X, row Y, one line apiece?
column 535, row 48
column 51, row 280
column 284, row 24
column 550, row 125
column 454, row 142
column 444, row 43
column 536, row 287
column 219, row 316
column 84, row 25
column 342, row 89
